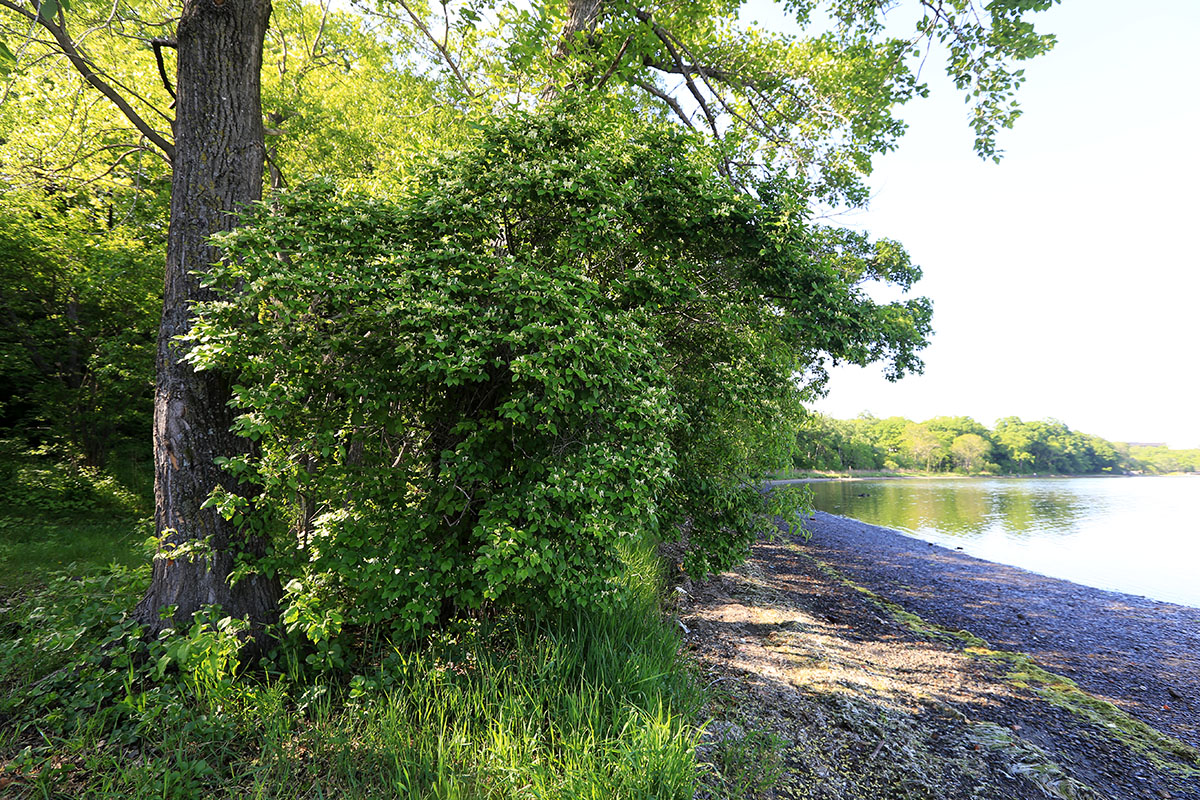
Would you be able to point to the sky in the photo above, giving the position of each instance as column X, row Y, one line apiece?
column 1066, row 279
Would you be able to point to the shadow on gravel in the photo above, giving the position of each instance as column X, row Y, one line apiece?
column 1140, row 654
column 855, row 704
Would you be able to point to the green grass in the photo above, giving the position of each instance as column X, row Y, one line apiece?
column 56, row 514
column 568, row 707
column 31, row 548
column 584, row 705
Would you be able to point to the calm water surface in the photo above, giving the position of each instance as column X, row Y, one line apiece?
column 1134, row 535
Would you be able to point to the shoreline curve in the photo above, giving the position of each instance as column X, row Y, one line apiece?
column 1141, row 654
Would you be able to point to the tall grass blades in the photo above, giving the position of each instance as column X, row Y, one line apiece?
column 586, row 705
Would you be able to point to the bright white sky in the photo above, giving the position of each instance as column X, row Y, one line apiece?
column 1066, row 279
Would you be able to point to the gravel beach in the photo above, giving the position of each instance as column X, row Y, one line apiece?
column 845, row 663
column 1142, row 655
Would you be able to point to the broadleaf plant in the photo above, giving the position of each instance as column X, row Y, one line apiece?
column 569, row 335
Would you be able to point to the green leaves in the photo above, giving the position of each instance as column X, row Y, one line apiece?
column 82, row 299
column 8, row 61
column 49, row 8
column 569, row 335
column 819, row 103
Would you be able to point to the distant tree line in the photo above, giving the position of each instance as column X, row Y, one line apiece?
column 963, row 445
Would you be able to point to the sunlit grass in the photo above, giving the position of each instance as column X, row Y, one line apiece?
column 56, row 514
column 30, row 548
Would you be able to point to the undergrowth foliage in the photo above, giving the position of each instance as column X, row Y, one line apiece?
column 564, row 339
column 566, row 706
column 48, row 481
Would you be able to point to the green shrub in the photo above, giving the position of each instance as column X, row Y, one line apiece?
column 565, row 338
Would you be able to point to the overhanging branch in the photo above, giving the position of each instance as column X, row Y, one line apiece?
column 83, row 65
column 650, row 88
column 697, row 95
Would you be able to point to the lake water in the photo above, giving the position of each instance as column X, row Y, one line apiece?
column 1136, row 535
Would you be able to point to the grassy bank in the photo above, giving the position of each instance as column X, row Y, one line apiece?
column 575, row 706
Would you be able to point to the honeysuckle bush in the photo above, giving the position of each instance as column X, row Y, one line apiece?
column 568, row 337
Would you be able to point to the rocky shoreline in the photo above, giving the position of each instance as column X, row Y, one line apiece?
column 1141, row 654
column 884, row 666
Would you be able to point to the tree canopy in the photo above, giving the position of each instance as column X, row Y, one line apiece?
column 818, row 103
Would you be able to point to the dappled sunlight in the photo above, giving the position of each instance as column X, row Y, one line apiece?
column 859, row 704
column 781, row 642
column 866, row 694
column 1140, row 654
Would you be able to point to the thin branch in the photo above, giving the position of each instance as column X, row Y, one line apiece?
column 445, row 26
column 283, row 48
column 130, row 150
column 616, row 62
column 54, row 50
column 84, row 66
column 278, row 182
column 666, row 98
column 771, row 132
column 320, row 30
column 158, row 45
column 114, row 82
column 704, row 75
column 665, row 38
column 716, row 73
column 105, row 25
column 441, row 46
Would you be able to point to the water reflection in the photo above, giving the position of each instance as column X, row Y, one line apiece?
column 1135, row 535
column 955, row 507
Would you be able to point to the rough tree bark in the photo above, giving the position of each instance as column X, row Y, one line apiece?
column 581, row 18
column 217, row 167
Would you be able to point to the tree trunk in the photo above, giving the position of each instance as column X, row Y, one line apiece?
column 581, row 18
column 218, row 167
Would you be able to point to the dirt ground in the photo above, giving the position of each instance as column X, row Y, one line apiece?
column 860, row 663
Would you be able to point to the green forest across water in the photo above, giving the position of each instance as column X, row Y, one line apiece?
column 963, row 445
column 1133, row 535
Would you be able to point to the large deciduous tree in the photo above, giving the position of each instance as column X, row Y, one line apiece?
column 216, row 150
column 216, row 170
column 969, row 450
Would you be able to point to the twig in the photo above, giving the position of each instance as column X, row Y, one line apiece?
column 158, row 45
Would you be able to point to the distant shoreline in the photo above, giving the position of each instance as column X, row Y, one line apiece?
column 952, row 476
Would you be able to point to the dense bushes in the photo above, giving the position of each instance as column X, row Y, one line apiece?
column 565, row 337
